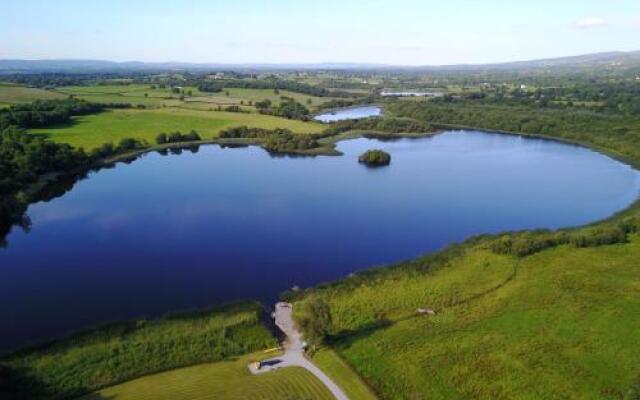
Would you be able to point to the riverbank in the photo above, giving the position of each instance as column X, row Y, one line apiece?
column 122, row 351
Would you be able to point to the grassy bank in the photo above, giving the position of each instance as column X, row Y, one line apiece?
column 223, row 380
column 343, row 375
column 92, row 131
column 557, row 324
column 123, row 351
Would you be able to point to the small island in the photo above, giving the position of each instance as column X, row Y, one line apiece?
column 375, row 158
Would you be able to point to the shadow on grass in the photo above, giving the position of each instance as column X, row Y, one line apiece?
column 61, row 125
column 19, row 384
column 347, row 337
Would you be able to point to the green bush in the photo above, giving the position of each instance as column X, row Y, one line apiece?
column 599, row 236
column 161, row 138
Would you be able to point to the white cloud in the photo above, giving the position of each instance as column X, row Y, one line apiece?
column 590, row 22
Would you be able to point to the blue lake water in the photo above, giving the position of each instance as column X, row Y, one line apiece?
column 175, row 232
column 349, row 113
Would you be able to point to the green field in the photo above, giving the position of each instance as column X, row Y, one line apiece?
column 92, row 131
column 14, row 94
column 220, row 381
column 564, row 326
column 124, row 351
column 343, row 375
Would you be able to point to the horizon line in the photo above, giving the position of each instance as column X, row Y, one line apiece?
column 293, row 63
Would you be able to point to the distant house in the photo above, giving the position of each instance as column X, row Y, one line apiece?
column 523, row 87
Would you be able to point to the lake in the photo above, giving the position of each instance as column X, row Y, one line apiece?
column 175, row 232
column 349, row 113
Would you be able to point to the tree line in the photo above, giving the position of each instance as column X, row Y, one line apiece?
column 47, row 112
column 276, row 140
column 523, row 244
column 177, row 137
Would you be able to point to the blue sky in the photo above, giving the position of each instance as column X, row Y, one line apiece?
column 411, row 32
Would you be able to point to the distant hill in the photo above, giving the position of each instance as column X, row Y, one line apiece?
column 617, row 60
column 596, row 60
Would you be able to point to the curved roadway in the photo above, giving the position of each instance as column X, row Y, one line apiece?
column 294, row 352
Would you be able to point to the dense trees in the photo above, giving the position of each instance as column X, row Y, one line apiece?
column 46, row 112
column 379, row 124
column 288, row 108
column 210, row 87
column 522, row 244
column 177, row 137
column 289, row 142
column 276, row 141
column 618, row 96
column 23, row 157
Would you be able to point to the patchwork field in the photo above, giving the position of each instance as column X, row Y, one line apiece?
column 14, row 94
column 94, row 130
column 230, row 380
column 193, row 98
column 545, row 326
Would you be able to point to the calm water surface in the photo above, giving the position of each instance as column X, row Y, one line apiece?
column 349, row 113
column 181, row 231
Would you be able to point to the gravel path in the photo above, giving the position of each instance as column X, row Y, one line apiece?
column 294, row 352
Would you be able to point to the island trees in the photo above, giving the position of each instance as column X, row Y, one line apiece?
column 375, row 158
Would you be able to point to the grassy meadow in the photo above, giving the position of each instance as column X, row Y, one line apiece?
column 229, row 380
column 15, row 94
column 92, row 131
column 124, row 351
column 560, row 324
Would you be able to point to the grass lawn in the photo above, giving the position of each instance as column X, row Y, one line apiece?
column 343, row 375
column 14, row 94
column 94, row 130
column 228, row 380
column 565, row 327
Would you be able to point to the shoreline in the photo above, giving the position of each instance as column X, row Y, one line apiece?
column 29, row 195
